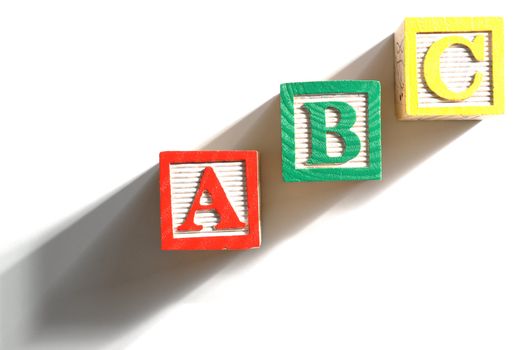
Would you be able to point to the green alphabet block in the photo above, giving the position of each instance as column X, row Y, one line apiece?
column 331, row 130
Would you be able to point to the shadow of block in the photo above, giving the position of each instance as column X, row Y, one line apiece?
column 104, row 275
column 288, row 207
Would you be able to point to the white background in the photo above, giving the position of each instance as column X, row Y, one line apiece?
column 432, row 257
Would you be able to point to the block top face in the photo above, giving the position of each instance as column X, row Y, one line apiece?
column 209, row 200
column 453, row 66
column 331, row 130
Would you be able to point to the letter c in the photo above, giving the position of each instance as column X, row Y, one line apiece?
column 431, row 66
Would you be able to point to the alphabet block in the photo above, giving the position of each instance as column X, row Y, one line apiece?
column 449, row 68
column 331, row 130
column 209, row 200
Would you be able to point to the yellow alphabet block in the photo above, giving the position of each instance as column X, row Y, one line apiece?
column 449, row 68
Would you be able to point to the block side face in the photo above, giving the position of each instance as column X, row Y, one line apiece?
column 468, row 80
column 187, row 199
column 341, row 102
column 399, row 69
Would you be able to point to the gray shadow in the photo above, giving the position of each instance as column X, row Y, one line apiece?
column 287, row 207
column 102, row 277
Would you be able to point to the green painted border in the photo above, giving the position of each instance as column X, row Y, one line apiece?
column 373, row 90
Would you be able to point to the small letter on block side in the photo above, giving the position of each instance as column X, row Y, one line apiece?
column 209, row 200
column 331, row 130
column 449, row 68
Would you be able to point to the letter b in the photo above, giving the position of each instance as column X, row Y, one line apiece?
column 319, row 131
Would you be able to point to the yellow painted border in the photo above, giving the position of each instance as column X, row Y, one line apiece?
column 413, row 26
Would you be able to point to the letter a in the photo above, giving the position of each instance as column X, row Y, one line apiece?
column 228, row 219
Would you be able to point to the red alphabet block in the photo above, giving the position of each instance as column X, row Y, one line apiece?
column 209, row 200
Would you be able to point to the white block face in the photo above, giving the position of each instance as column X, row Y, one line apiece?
column 457, row 70
column 334, row 144
column 184, row 183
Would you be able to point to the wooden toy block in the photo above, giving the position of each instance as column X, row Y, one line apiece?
column 331, row 130
column 209, row 200
column 449, row 68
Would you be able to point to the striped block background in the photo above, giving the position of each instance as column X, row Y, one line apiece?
column 334, row 144
column 457, row 70
column 184, row 181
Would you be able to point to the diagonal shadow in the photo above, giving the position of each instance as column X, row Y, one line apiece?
column 287, row 207
column 103, row 276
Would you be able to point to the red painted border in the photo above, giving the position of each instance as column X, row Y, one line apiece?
column 250, row 240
